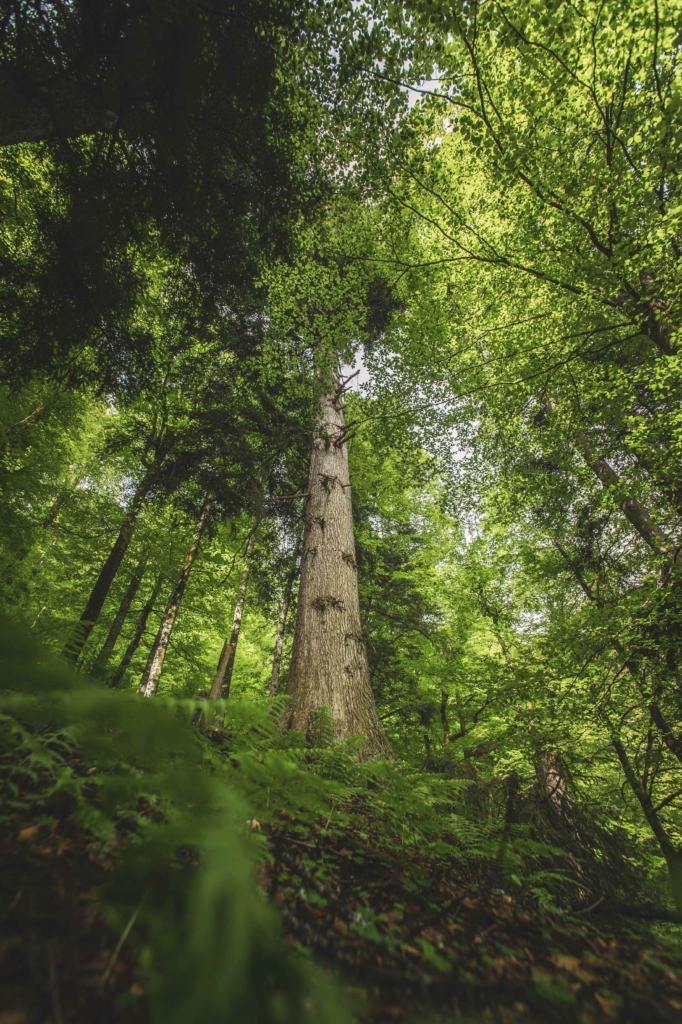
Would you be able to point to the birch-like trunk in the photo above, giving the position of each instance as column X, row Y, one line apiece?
column 652, row 535
column 137, row 635
column 98, row 595
column 149, row 683
column 222, row 680
column 102, row 658
column 282, row 621
column 329, row 666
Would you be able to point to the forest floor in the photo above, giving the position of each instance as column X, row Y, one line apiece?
column 409, row 939
column 422, row 940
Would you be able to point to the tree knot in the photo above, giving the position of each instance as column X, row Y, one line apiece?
column 355, row 637
column 328, row 481
column 321, row 604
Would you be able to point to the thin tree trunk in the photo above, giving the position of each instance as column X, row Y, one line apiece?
column 673, row 744
column 99, row 592
column 149, row 683
column 635, row 513
column 670, row 852
column 119, row 619
column 282, row 621
column 494, row 615
column 220, row 687
column 329, row 661
column 56, row 507
column 137, row 635
column 671, row 741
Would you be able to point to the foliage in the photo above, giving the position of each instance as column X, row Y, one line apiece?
column 136, row 781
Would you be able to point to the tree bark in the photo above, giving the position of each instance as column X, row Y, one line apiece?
column 99, row 592
column 671, row 741
column 635, row 513
column 282, row 621
column 149, row 683
column 329, row 666
column 119, row 619
column 670, row 852
column 673, row 744
column 220, row 687
column 137, row 635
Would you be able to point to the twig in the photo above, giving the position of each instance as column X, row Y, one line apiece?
column 587, row 910
column 645, row 913
column 53, row 986
column 344, row 384
column 119, row 944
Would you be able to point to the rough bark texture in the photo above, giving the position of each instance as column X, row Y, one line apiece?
column 99, row 592
column 120, row 617
column 222, row 680
column 282, row 621
column 137, row 635
column 149, row 683
column 329, row 661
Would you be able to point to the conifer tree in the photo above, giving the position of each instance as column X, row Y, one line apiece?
column 329, row 667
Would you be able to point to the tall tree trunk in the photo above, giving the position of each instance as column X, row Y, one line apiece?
column 282, row 621
column 137, row 635
column 329, row 661
column 220, row 687
column 99, row 592
column 102, row 658
column 149, row 683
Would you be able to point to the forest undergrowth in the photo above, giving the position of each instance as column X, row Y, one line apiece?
column 413, row 904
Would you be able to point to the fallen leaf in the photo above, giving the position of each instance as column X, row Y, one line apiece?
column 565, row 962
column 607, row 1003
column 23, row 837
